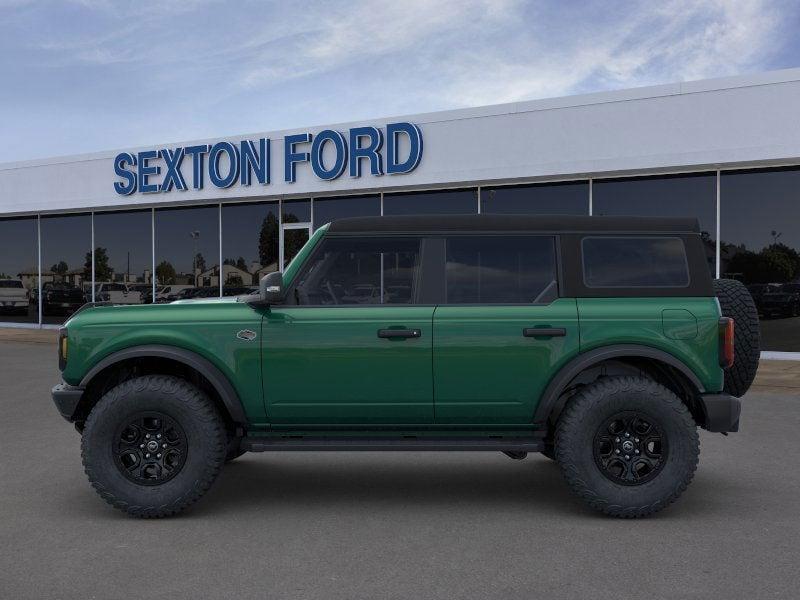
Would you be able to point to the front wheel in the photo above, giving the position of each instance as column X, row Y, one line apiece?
column 627, row 446
column 153, row 445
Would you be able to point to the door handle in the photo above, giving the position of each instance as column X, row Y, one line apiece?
column 391, row 334
column 544, row 332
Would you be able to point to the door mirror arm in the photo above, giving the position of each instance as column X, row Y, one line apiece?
column 270, row 291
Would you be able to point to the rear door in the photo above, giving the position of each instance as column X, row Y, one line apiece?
column 353, row 345
column 502, row 331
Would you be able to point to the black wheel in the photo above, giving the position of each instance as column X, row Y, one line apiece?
column 627, row 446
column 153, row 445
column 736, row 302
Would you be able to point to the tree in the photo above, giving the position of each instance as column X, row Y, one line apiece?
column 229, row 261
column 102, row 270
column 234, row 280
column 59, row 268
column 165, row 273
column 268, row 241
column 199, row 262
column 241, row 263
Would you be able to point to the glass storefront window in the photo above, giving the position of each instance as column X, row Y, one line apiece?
column 19, row 270
column 187, row 253
column 688, row 195
column 123, row 257
column 249, row 245
column 444, row 202
column 296, row 211
column 567, row 198
column 66, row 265
column 760, row 231
column 330, row 209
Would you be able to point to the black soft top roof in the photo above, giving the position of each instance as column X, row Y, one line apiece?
column 518, row 223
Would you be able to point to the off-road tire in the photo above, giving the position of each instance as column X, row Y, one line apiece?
column 586, row 413
column 190, row 408
column 736, row 302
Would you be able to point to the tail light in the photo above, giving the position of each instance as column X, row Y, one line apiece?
column 63, row 345
column 726, row 342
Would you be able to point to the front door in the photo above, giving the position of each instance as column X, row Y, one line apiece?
column 502, row 331
column 352, row 344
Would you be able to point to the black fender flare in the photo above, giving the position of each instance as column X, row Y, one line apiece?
column 206, row 368
column 583, row 361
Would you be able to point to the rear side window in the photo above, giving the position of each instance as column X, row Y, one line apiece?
column 348, row 271
column 631, row 262
column 500, row 269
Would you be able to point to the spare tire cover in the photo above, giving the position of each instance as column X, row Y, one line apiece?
column 737, row 303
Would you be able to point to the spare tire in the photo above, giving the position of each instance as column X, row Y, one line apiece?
column 737, row 303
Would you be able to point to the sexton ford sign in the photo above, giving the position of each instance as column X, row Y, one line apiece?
column 225, row 164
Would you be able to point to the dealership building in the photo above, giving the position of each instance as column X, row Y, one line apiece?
column 210, row 217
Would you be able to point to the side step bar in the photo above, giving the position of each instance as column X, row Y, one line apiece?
column 495, row 444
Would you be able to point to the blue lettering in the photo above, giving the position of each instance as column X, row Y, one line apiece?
column 173, row 176
column 291, row 158
column 317, row 149
column 197, row 153
column 122, row 159
column 393, row 132
column 371, row 151
column 213, row 164
column 254, row 162
column 146, row 170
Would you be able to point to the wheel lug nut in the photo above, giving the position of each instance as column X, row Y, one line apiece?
column 147, row 435
column 616, row 440
column 141, row 445
column 147, row 456
column 627, row 435
column 617, row 450
column 158, row 456
column 159, row 436
column 636, row 451
column 627, row 457
column 163, row 445
column 635, row 439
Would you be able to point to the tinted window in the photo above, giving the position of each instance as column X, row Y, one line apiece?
column 759, row 217
column 361, row 271
column 692, row 195
column 249, row 244
column 296, row 211
column 634, row 262
column 445, row 202
column 187, row 248
column 330, row 209
column 499, row 270
column 571, row 198
column 19, row 266
column 124, row 253
column 67, row 262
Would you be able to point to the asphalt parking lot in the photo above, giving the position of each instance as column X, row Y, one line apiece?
column 392, row 525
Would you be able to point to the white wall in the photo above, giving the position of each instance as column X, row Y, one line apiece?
column 735, row 121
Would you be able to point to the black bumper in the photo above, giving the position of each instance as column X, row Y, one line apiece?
column 66, row 398
column 721, row 412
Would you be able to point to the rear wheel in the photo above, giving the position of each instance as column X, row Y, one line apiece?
column 153, row 445
column 627, row 446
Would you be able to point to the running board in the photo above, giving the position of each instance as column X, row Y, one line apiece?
column 495, row 444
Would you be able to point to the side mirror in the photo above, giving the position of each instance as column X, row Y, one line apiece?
column 271, row 288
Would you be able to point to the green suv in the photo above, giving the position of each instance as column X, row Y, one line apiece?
column 601, row 342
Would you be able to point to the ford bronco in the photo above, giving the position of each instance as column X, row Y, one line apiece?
column 601, row 342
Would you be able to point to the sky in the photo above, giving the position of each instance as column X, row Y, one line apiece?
column 91, row 75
